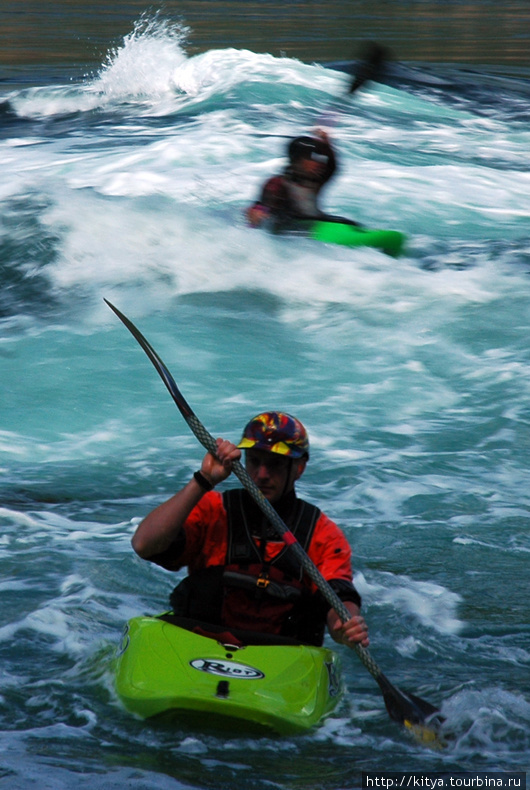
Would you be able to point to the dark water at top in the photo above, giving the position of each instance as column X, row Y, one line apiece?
column 78, row 32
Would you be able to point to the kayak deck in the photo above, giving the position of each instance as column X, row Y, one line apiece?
column 164, row 670
column 389, row 241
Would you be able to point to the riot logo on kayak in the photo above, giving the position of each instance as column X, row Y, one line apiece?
column 226, row 669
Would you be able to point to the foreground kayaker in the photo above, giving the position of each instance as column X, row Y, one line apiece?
column 241, row 575
column 291, row 198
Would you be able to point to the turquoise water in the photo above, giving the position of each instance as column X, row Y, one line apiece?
column 412, row 376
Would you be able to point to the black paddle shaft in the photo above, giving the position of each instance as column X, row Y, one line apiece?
column 401, row 706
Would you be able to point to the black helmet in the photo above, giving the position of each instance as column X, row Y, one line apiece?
column 315, row 149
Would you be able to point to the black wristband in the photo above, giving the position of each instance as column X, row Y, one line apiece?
column 202, row 481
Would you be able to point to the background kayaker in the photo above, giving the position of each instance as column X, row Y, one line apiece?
column 292, row 197
column 241, row 574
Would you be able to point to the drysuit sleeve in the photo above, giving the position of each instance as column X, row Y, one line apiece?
column 201, row 541
column 331, row 553
column 272, row 204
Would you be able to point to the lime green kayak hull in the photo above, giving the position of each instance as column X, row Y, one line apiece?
column 166, row 671
column 391, row 242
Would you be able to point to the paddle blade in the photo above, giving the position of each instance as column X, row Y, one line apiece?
column 163, row 371
column 205, row 438
column 371, row 64
column 426, row 734
column 416, row 714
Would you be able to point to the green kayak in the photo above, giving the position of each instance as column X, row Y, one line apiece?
column 166, row 670
column 389, row 241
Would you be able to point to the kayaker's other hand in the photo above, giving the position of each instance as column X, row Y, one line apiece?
column 322, row 135
column 257, row 215
column 353, row 631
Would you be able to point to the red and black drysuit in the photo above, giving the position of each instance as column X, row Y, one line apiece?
column 242, row 576
column 290, row 199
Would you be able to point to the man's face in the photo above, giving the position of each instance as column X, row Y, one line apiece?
column 274, row 475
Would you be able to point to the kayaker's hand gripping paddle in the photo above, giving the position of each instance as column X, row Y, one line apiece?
column 407, row 709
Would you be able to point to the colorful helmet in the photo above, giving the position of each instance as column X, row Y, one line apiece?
column 315, row 149
column 276, row 432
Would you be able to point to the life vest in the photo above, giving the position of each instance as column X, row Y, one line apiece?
column 302, row 199
column 251, row 593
